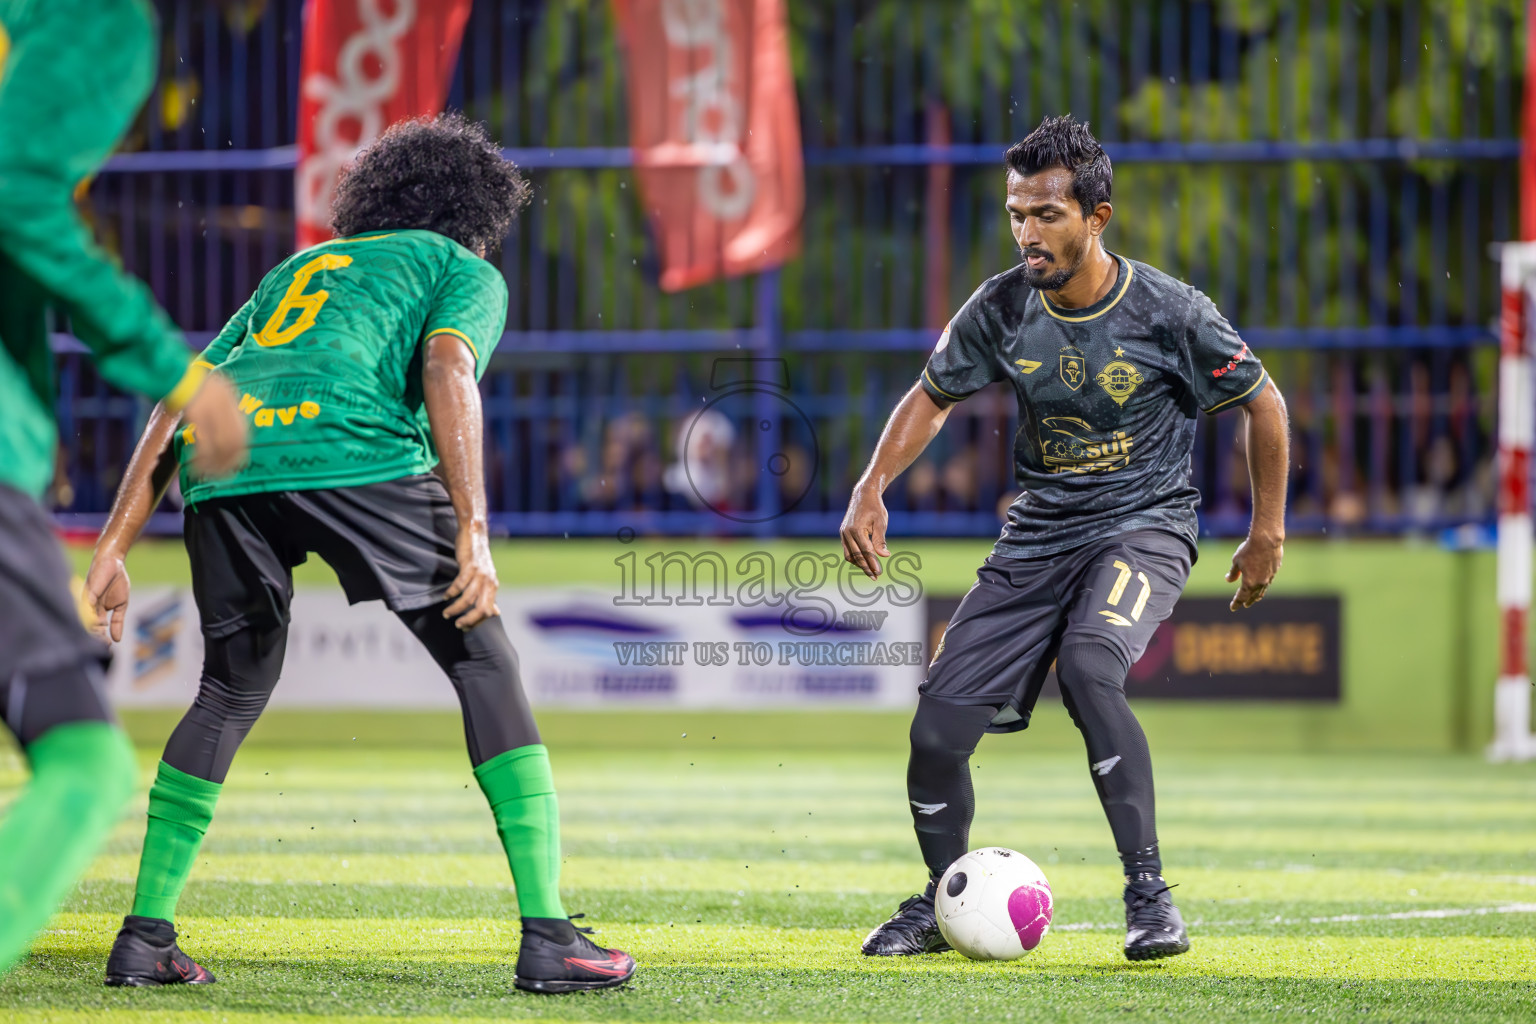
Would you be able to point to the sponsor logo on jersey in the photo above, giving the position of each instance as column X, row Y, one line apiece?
column 1027, row 365
column 1222, row 371
column 270, row 416
column 1119, row 378
column 943, row 341
column 1068, row 445
column 264, row 416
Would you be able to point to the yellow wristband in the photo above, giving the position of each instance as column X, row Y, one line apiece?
column 178, row 397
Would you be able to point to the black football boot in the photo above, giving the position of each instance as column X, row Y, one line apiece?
column 912, row 930
column 146, row 955
column 556, row 956
column 1153, row 926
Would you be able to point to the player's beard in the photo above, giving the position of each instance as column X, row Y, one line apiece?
column 1055, row 273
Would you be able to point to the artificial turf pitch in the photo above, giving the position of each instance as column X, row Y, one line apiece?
column 367, row 883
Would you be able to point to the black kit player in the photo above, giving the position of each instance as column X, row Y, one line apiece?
column 1111, row 361
column 357, row 361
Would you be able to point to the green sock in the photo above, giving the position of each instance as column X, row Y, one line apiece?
column 521, row 791
column 180, row 808
column 82, row 772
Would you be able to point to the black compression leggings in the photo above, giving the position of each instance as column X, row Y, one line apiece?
column 939, row 794
column 1092, row 676
column 241, row 670
column 485, row 674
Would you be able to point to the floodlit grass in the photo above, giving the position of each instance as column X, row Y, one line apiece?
column 360, row 884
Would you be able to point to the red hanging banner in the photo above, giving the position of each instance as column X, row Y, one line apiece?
column 716, row 134
column 366, row 64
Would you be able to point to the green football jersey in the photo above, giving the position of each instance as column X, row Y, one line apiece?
column 326, row 357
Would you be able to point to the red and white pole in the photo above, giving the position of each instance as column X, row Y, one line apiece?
column 1512, row 739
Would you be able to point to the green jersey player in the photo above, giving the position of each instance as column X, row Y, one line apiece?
column 357, row 362
column 72, row 75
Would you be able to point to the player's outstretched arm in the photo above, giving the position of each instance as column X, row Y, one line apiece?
column 915, row 421
column 1258, row 558
column 149, row 473
column 220, row 448
column 453, row 410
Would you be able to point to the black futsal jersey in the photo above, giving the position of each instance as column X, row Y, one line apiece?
column 1108, row 396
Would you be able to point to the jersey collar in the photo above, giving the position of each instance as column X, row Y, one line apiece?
column 1098, row 309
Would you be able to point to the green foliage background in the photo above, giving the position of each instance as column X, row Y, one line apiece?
column 1275, row 243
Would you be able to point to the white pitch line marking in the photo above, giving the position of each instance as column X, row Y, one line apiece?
column 1401, row 915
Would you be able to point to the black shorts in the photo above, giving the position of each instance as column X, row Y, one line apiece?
column 391, row 541
column 1004, row 637
column 50, row 667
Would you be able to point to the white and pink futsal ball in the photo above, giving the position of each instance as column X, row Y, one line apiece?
column 994, row 904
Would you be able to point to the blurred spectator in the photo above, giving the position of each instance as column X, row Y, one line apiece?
column 795, row 480
column 958, row 480
column 953, row 487
column 922, row 481
column 629, row 474
column 1004, row 500
column 706, row 472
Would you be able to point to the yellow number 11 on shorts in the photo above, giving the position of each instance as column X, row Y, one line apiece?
column 1118, row 591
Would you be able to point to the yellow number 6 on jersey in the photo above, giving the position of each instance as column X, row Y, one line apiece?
column 308, row 304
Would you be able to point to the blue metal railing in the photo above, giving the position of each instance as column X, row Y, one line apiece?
column 285, row 158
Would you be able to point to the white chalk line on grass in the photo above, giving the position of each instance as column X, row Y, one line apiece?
column 1401, row 915
column 1407, row 915
column 1506, row 879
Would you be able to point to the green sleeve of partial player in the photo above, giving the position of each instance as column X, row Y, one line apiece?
column 233, row 335
column 75, row 75
column 470, row 303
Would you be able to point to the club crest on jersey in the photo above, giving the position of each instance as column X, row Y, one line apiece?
column 1119, row 378
column 1072, row 372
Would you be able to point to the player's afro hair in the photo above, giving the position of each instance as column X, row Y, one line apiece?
column 1067, row 143
column 438, row 174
